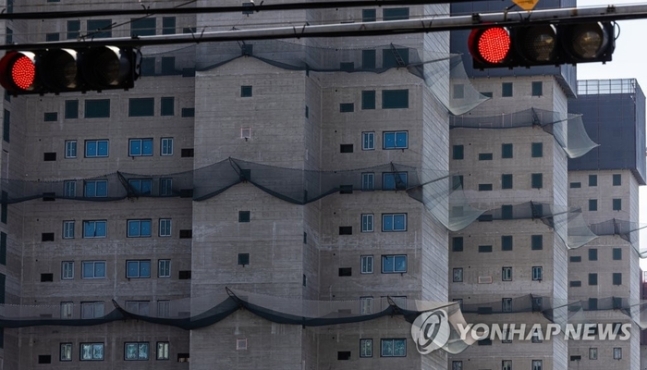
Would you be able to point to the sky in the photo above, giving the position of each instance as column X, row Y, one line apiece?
column 627, row 63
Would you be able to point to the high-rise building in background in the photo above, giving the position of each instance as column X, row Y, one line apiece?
column 303, row 178
column 280, row 115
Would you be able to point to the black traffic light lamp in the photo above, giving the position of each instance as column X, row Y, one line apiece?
column 66, row 70
column 547, row 44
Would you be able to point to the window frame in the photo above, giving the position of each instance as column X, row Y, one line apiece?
column 93, row 344
column 157, row 351
column 368, row 223
column 140, row 228
column 401, row 340
column 67, row 345
column 64, row 270
column 395, row 145
column 97, row 142
column 139, row 274
column 617, row 353
column 363, row 352
column 395, row 257
column 593, row 353
column 69, row 188
column 95, row 183
column 393, row 216
column 70, row 149
column 368, row 140
column 94, row 223
column 142, row 145
column 367, row 263
column 506, row 273
column 68, row 232
column 166, row 269
column 138, row 344
column 162, row 228
column 400, row 180
column 366, row 178
column 166, row 146
column 537, row 273
column 94, row 269
column 457, row 275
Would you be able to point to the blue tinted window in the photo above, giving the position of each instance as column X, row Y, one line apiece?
column 140, row 147
column 95, row 188
column 394, row 180
column 395, row 140
column 394, row 222
column 139, row 228
column 394, row 263
column 94, row 229
column 96, row 148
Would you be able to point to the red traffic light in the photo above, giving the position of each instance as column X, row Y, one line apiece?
column 19, row 71
column 490, row 45
column 65, row 70
column 544, row 44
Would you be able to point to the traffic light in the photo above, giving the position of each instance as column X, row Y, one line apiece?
column 65, row 70
column 546, row 44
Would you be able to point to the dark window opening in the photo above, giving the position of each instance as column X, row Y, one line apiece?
column 46, row 278
column 345, row 230
column 184, row 275
column 343, row 355
column 244, row 216
column 44, row 359
column 187, row 153
column 346, row 148
column 47, row 237
column 49, row 157
column 186, row 234
column 243, row 259
column 345, row 271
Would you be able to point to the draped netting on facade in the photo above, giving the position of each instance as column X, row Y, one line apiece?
column 436, row 190
column 568, row 129
column 199, row 312
column 438, row 70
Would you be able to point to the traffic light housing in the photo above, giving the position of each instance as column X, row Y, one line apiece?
column 544, row 44
column 65, row 70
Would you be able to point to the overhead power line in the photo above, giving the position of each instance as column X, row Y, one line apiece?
column 220, row 9
column 428, row 24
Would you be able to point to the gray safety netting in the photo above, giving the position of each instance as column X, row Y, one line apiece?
column 568, row 223
column 292, row 185
column 194, row 313
column 445, row 201
column 438, row 70
column 568, row 129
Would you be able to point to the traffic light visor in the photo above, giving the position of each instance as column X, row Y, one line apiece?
column 490, row 45
column 18, row 71
column 588, row 41
column 538, row 43
column 107, row 66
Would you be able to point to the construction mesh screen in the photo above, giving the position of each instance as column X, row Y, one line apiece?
column 568, row 130
column 438, row 70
